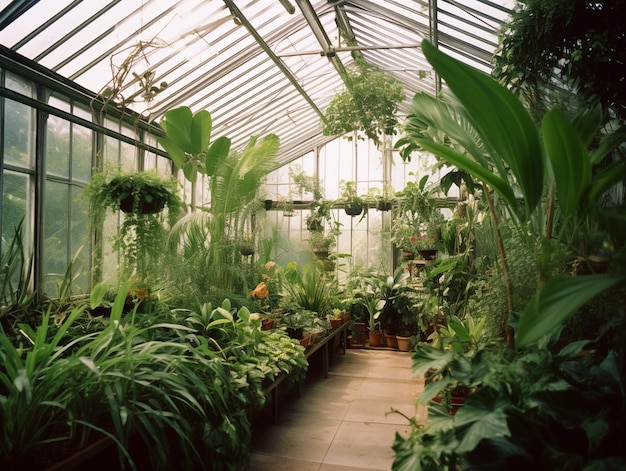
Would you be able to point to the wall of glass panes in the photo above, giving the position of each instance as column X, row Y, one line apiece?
column 366, row 239
column 50, row 146
column 47, row 156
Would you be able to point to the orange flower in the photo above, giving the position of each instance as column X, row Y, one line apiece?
column 142, row 293
column 260, row 292
column 270, row 265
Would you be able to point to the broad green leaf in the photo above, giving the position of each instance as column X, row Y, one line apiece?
column 177, row 125
column 201, row 126
column 500, row 186
column 500, row 118
column 217, row 154
column 558, row 299
column 569, row 159
column 482, row 421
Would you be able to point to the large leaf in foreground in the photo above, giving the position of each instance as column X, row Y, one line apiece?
column 558, row 299
column 500, row 118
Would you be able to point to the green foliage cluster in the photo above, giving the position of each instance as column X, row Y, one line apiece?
column 141, row 196
column 369, row 104
column 182, row 383
column 583, row 42
column 548, row 401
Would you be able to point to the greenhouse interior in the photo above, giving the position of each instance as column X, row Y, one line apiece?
column 328, row 235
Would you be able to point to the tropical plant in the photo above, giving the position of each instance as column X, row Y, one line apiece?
column 354, row 204
column 501, row 147
column 16, row 296
column 309, row 287
column 209, row 238
column 369, row 104
column 416, row 219
column 515, row 412
column 578, row 43
column 33, row 389
column 394, row 293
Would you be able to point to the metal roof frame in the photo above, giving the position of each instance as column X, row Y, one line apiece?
column 250, row 63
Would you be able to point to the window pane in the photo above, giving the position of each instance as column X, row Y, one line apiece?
column 19, row 134
column 58, row 147
column 81, row 153
column 14, row 203
column 55, row 235
column 80, row 239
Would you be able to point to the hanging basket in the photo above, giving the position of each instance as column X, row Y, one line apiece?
column 384, row 205
column 142, row 205
column 353, row 209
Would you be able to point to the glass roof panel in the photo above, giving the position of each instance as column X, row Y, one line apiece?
column 256, row 68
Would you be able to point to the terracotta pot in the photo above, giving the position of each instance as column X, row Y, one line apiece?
column 267, row 324
column 336, row 323
column 376, row 339
column 306, row 341
column 404, row 343
column 392, row 341
column 455, row 403
column 406, row 256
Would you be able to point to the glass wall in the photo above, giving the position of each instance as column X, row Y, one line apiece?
column 341, row 160
column 49, row 149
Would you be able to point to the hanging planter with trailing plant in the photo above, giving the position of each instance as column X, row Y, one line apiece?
column 368, row 105
column 142, row 198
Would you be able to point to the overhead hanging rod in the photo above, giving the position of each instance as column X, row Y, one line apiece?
column 331, row 51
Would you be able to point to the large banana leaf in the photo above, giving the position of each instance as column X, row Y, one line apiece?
column 504, row 125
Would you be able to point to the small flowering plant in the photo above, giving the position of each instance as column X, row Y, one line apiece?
column 422, row 241
column 268, row 290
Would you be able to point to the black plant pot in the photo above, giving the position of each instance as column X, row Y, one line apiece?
column 295, row 332
column 353, row 209
column 155, row 205
column 428, row 254
column 384, row 206
column 269, row 204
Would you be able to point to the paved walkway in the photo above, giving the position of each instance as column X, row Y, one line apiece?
column 342, row 422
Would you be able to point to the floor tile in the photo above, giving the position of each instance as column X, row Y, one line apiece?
column 342, row 421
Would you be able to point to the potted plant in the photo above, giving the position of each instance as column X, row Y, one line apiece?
column 416, row 219
column 354, row 205
column 384, row 199
column 374, row 306
column 369, row 104
column 141, row 197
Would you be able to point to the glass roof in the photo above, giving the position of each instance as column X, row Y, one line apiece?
column 254, row 65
